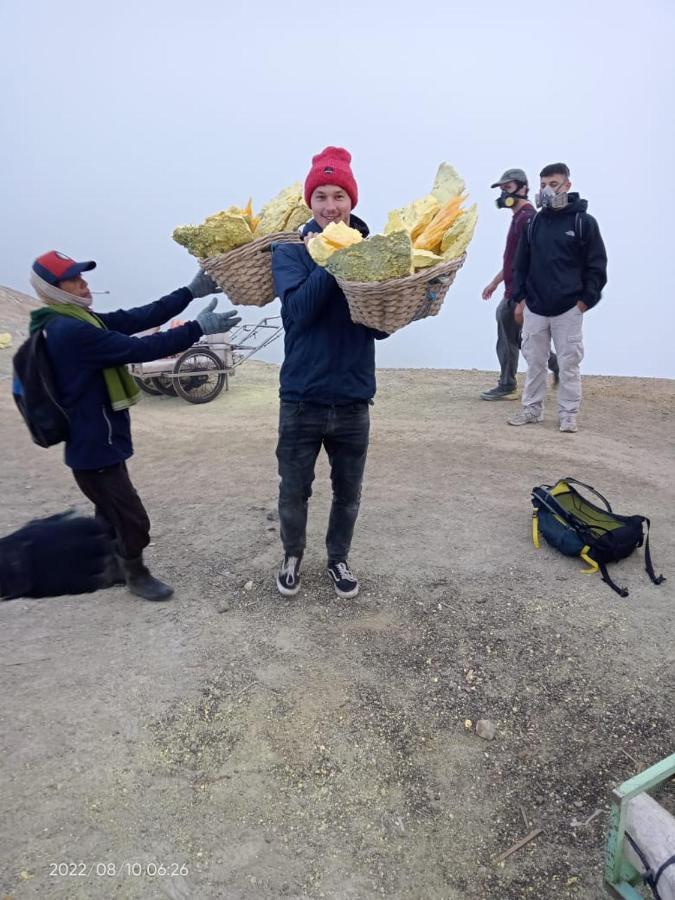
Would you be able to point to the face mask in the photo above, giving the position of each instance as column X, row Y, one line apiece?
column 507, row 200
column 548, row 199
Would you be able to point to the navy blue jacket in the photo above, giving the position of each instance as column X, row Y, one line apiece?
column 328, row 359
column 555, row 266
column 100, row 437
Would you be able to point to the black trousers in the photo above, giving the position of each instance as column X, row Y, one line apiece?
column 304, row 428
column 117, row 506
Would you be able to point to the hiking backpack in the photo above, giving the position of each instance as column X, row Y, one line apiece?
column 577, row 527
column 35, row 393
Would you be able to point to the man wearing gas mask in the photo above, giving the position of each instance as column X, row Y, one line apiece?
column 513, row 196
column 559, row 273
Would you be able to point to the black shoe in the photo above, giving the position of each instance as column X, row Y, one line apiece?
column 343, row 581
column 500, row 393
column 141, row 582
column 288, row 576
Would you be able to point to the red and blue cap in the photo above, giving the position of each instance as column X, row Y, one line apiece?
column 55, row 266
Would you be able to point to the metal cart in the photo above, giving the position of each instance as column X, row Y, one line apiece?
column 200, row 373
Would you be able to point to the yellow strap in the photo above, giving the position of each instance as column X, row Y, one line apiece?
column 562, row 487
column 594, row 567
column 535, row 530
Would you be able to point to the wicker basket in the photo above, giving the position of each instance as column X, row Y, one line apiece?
column 245, row 274
column 389, row 305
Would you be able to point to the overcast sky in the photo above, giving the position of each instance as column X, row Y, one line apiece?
column 122, row 120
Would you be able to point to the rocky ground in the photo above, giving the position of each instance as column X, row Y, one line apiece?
column 231, row 744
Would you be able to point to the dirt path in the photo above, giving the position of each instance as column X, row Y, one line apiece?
column 259, row 748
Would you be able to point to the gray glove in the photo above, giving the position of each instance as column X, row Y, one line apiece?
column 217, row 322
column 202, row 285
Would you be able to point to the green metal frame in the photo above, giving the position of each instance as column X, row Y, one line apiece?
column 620, row 875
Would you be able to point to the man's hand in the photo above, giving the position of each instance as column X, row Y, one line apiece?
column 581, row 306
column 310, row 237
column 519, row 313
column 62, row 554
column 217, row 322
column 489, row 290
column 202, row 285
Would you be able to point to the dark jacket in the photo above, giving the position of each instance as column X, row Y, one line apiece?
column 554, row 266
column 100, row 437
column 327, row 359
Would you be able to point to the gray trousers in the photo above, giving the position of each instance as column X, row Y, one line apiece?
column 565, row 331
column 508, row 347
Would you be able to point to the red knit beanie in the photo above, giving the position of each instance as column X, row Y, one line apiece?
column 331, row 166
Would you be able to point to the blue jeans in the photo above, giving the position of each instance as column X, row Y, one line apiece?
column 303, row 429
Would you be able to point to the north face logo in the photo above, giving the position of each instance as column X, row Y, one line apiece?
column 328, row 170
column 569, row 233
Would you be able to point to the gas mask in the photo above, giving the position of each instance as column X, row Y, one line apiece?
column 507, row 200
column 548, row 199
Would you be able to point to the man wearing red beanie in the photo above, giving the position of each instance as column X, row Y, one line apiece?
column 327, row 381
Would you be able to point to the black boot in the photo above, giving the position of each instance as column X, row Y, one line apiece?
column 113, row 573
column 141, row 582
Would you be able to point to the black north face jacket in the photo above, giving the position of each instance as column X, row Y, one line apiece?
column 561, row 259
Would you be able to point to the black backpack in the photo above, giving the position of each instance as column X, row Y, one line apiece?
column 578, row 228
column 577, row 527
column 35, row 393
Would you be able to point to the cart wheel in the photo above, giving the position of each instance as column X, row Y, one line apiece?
column 164, row 385
column 146, row 385
column 208, row 380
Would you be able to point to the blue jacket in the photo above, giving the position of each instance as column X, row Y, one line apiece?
column 327, row 359
column 100, row 437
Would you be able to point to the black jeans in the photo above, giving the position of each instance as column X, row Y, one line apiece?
column 118, row 507
column 508, row 346
column 303, row 429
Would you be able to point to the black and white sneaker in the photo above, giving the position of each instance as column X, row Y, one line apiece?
column 344, row 582
column 288, row 576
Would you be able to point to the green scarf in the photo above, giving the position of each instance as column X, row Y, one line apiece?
column 122, row 388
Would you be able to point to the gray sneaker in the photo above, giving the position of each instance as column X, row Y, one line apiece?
column 568, row 423
column 500, row 393
column 526, row 416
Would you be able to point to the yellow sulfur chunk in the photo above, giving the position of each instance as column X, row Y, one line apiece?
column 376, row 259
column 414, row 217
column 422, row 259
column 275, row 216
column 335, row 236
column 448, row 183
column 431, row 237
column 220, row 233
column 320, row 251
column 298, row 216
column 395, row 223
column 458, row 237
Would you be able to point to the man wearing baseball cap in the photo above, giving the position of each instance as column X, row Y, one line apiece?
column 89, row 353
column 513, row 196
column 327, row 381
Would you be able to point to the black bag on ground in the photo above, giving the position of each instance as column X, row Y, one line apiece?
column 577, row 527
column 35, row 393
